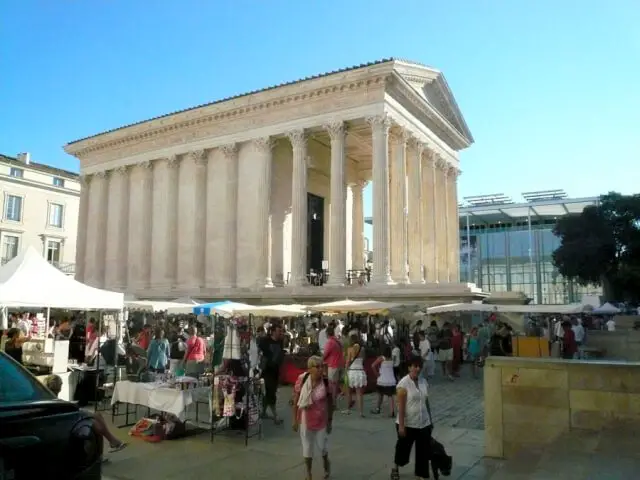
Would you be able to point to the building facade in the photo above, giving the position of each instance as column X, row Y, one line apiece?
column 40, row 209
column 508, row 247
column 264, row 189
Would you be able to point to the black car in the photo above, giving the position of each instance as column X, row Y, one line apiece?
column 41, row 436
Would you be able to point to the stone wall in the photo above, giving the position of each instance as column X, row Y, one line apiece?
column 618, row 345
column 530, row 402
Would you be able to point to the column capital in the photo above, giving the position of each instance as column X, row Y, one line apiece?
column 102, row 174
column 454, row 172
column 173, row 161
column 145, row 164
column 380, row 123
column 85, row 179
column 121, row 170
column 263, row 144
column 298, row 138
column 441, row 163
column 361, row 184
column 198, row 156
column 230, row 150
column 336, row 129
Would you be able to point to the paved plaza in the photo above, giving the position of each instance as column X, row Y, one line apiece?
column 360, row 448
column 363, row 448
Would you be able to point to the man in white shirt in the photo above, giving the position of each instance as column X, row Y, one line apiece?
column 427, row 356
column 322, row 339
column 611, row 325
column 578, row 331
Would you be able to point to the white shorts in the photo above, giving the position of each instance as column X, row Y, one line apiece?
column 313, row 440
column 445, row 355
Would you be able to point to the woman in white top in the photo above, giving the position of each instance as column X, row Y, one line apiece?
column 386, row 383
column 356, row 376
column 413, row 423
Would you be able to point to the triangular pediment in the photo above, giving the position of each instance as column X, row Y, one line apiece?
column 432, row 86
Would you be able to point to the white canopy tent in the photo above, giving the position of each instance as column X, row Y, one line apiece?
column 28, row 280
column 362, row 306
column 570, row 309
column 154, row 306
column 281, row 311
column 606, row 309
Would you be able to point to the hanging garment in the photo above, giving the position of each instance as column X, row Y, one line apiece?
column 232, row 350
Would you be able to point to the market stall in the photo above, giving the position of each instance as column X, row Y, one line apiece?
column 29, row 281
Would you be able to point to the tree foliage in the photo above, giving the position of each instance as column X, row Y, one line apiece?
column 601, row 246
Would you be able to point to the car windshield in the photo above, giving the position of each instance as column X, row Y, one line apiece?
column 18, row 385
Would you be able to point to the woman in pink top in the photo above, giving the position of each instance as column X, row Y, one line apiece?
column 334, row 360
column 313, row 414
column 194, row 354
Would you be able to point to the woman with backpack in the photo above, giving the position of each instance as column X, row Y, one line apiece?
column 313, row 415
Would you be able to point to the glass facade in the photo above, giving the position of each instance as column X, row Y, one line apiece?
column 513, row 257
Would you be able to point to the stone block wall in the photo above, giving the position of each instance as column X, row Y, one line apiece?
column 529, row 402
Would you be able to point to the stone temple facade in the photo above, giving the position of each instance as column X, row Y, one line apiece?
column 247, row 197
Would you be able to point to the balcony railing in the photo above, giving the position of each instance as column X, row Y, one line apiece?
column 66, row 268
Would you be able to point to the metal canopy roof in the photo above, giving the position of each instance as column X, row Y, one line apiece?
column 515, row 212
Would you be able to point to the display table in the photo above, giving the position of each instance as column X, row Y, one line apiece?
column 158, row 396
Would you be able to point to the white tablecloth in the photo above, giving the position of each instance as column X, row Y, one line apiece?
column 159, row 398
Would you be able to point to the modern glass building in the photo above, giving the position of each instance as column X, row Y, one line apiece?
column 507, row 246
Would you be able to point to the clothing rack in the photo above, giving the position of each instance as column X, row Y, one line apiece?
column 241, row 382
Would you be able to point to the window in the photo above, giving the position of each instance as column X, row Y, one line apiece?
column 53, row 251
column 55, row 215
column 17, row 385
column 16, row 172
column 58, row 182
column 10, row 247
column 13, row 208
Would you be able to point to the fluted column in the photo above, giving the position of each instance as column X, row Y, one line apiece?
column 398, row 206
column 117, row 230
column 164, row 213
column 429, row 223
column 381, row 274
column 263, row 158
column 97, row 230
column 454, row 225
column 299, row 225
column 414, row 218
column 222, row 193
column 338, row 231
column 357, row 233
column 441, row 219
column 140, row 224
column 83, row 220
column 171, row 258
column 200, row 217
column 187, row 199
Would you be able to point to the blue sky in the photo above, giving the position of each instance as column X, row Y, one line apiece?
column 549, row 88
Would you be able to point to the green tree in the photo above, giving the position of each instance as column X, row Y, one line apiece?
column 601, row 246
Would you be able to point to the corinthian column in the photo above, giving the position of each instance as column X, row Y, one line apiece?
column 442, row 236
column 200, row 217
column 97, row 231
column 140, row 223
column 357, row 233
column 222, row 195
column 263, row 159
column 164, row 212
column 414, row 219
column 454, row 222
column 299, row 225
column 83, row 220
column 398, row 208
column 171, row 258
column 117, row 230
column 429, row 225
column 338, row 231
column 380, row 143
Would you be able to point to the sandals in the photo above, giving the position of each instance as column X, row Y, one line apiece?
column 118, row 447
